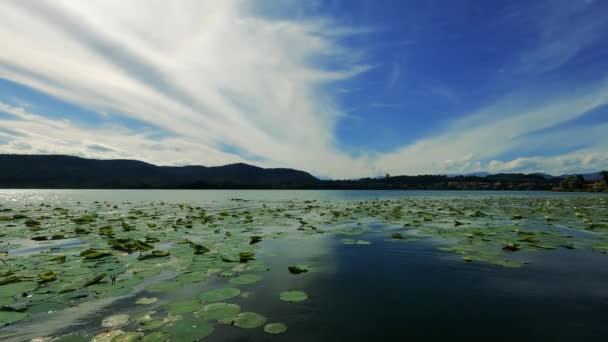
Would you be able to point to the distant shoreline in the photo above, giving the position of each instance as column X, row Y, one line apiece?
column 19, row 171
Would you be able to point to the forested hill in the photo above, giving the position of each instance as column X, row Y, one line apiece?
column 60, row 171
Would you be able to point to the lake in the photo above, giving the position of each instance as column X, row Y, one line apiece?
column 128, row 265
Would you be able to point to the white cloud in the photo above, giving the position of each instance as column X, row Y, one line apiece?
column 212, row 73
column 511, row 124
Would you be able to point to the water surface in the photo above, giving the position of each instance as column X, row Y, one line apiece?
column 388, row 289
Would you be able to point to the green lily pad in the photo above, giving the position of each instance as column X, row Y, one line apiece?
column 158, row 336
column 275, row 328
column 293, row 296
column 8, row 317
column 246, row 320
column 183, row 306
column 108, row 335
column 115, row 321
column 143, row 316
column 46, row 307
column 218, row 311
column 189, row 329
column 245, row 279
column 14, row 289
column 95, row 280
column 47, row 276
column 151, row 325
column 131, row 336
column 219, row 294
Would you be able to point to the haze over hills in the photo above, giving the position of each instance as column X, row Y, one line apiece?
column 62, row 171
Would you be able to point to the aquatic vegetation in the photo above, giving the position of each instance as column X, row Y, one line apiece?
column 246, row 320
column 182, row 307
column 297, row 269
column 159, row 255
column 189, row 329
column 293, row 296
column 218, row 311
column 115, row 321
column 275, row 328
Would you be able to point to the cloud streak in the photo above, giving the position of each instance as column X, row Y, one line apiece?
column 216, row 82
column 210, row 74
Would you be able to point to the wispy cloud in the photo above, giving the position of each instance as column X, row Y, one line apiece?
column 217, row 82
column 470, row 144
column 210, row 73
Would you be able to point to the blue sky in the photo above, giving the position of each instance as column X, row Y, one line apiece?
column 342, row 88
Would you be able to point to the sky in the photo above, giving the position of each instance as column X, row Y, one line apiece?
column 338, row 88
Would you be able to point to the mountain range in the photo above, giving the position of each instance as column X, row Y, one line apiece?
column 62, row 171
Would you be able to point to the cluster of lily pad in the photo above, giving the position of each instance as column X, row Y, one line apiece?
column 58, row 257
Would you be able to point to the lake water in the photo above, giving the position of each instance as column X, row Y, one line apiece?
column 365, row 282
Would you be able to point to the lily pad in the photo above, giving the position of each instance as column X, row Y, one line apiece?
column 46, row 307
column 218, row 311
column 131, row 336
column 115, row 321
column 245, row 279
column 14, row 289
column 189, row 329
column 293, row 296
column 158, row 336
column 183, row 306
column 8, row 317
column 275, row 328
column 246, row 320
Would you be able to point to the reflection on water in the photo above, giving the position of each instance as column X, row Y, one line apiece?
column 200, row 196
column 387, row 290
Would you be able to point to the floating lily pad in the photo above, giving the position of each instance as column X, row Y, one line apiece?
column 246, row 320
column 14, row 289
column 46, row 307
column 47, row 276
column 219, row 294
column 275, row 328
column 218, row 311
column 131, row 336
column 115, row 321
column 143, row 316
column 8, row 317
column 158, row 336
column 244, row 279
column 189, row 329
column 107, row 336
column 293, row 296
column 183, row 306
